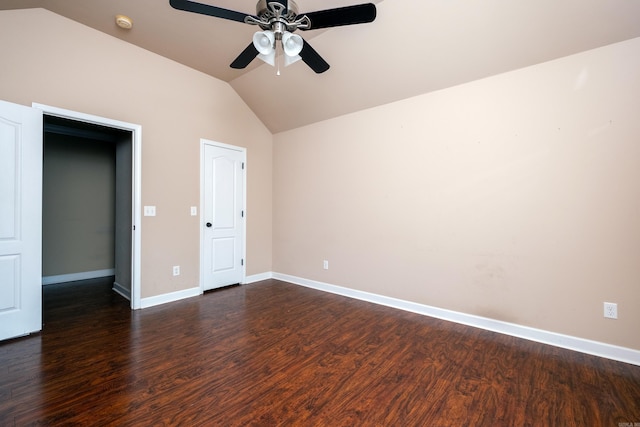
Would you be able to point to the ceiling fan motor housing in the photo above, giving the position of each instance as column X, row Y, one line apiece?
column 263, row 8
column 278, row 16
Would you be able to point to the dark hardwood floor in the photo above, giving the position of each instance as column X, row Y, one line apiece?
column 272, row 353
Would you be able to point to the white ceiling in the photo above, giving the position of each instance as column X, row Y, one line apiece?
column 413, row 47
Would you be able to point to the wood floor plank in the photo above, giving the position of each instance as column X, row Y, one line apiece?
column 275, row 354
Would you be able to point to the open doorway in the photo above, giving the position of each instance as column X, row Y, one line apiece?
column 90, row 200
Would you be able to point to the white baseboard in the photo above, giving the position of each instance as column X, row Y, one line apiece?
column 121, row 290
column 257, row 277
column 582, row 345
column 170, row 297
column 62, row 278
column 188, row 293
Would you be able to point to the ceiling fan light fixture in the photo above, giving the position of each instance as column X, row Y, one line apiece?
column 269, row 58
column 292, row 44
column 288, row 60
column 264, row 42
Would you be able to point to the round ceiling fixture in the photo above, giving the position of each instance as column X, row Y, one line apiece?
column 124, row 21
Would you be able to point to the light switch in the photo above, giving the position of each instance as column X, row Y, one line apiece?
column 149, row 211
column 194, row 210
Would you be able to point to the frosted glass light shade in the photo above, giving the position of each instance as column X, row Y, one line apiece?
column 292, row 44
column 263, row 41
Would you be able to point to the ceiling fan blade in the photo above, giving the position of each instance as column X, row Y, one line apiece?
column 205, row 9
column 313, row 59
column 348, row 15
column 245, row 57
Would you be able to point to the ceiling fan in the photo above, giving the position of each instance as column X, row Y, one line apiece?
column 279, row 19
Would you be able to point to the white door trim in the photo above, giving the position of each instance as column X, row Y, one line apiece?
column 201, row 222
column 136, row 131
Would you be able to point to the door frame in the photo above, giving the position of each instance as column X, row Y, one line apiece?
column 206, row 142
column 136, row 178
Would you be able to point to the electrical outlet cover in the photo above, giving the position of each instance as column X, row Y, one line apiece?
column 610, row 310
column 149, row 211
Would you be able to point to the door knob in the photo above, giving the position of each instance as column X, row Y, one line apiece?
column 208, row 224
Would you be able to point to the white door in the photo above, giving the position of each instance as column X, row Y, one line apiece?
column 222, row 215
column 20, row 220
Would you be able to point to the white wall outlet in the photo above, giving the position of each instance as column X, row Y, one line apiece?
column 176, row 270
column 610, row 310
column 149, row 211
column 325, row 264
column 194, row 211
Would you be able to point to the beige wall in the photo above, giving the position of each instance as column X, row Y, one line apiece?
column 515, row 197
column 123, row 212
column 54, row 61
column 78, row 199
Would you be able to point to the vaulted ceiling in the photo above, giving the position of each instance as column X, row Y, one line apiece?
column 413, row 47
